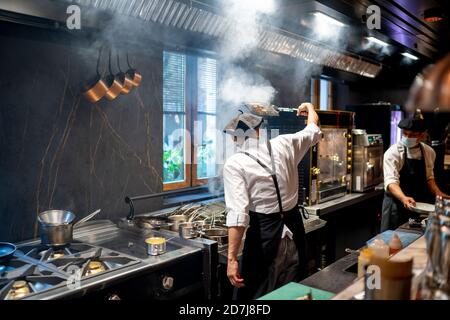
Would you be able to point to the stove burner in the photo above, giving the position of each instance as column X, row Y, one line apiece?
column 19, row 289
column 57, row 255
column 35, row 268
column 94, row 267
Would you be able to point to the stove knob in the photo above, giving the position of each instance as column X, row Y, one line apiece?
column 114, row 297
column 167, row 282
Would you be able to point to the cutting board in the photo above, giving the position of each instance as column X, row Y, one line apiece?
column 293, row 290
column 405, row 237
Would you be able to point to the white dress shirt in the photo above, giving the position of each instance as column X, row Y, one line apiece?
column 249, row 187
column 394, row 161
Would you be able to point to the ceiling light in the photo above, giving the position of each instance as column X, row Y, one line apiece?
column 322, row 17
column 377, row 41
column 409, row 55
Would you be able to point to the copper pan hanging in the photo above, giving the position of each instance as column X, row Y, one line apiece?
column 133, row 74
column 124, row 80
column 96, row 87
column 113, row 83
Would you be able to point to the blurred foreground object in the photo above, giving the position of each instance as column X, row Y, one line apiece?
column 431, row 88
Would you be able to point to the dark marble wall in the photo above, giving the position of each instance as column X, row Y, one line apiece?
column 59, row 151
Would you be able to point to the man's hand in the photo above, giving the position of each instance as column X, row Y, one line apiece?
column 304, row 108
column 408, row 202
column 233, row 274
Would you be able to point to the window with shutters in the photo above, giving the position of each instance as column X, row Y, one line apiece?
column 322, row 93
column 189, row 105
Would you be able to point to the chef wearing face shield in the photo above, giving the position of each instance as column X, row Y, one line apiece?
column 261, row 194
column 408, row 175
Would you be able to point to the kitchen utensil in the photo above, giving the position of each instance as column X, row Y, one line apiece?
column 217, row 234
column 348, row 250
column 188, row 230
column 422, row 208
column 87, row 218
column 133, row 74
column 123, row 79
column 261, row 109
column 96, row 87
column 156, row 246
column 114, row 86
column 57, row 226
column 146, row 222
column 176, row 220
column 6, row 251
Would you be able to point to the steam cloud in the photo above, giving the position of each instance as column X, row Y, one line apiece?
column 238, row 85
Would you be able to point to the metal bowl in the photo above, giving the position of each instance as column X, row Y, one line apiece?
column 56, row 217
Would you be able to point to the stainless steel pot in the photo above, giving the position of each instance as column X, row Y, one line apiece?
column 156, row 246
column 217, row 234
column 57, row 226
column 188, row 230
column 176, row 220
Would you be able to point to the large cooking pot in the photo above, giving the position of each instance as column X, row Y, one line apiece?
column 57, row 226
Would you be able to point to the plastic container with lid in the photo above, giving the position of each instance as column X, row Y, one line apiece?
column 364, row 260
column 395, row 245
column 379, row 248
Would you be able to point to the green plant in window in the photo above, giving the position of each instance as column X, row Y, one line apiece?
column 173, row 164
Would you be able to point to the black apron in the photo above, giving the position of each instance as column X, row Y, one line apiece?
column 262, row 240
column 413, row 182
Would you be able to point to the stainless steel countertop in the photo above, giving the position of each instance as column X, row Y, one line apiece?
column 342, row 202
column 130, row 242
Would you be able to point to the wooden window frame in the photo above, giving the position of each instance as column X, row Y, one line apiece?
column 191, row 115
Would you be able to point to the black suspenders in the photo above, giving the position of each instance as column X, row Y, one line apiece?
column 271, row 172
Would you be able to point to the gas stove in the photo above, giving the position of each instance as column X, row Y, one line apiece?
column 35, row 269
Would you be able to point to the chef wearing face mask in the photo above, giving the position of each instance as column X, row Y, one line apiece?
column 408, row 175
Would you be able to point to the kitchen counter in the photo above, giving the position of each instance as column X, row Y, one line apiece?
column 342, row 202
column 334, row 278
column 417, row 251
column 104, row 234
column 341, row 274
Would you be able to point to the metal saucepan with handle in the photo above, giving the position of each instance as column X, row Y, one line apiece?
column 217, row 234
column 134, row 75
column 176, row 220
column 114, row 86
column 96, row 88
column 124, row 80
column 6, row 251
column 57, row 226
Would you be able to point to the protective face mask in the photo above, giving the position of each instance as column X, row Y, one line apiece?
column 409, row 142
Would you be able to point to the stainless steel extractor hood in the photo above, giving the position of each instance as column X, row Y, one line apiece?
column 197, row 17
